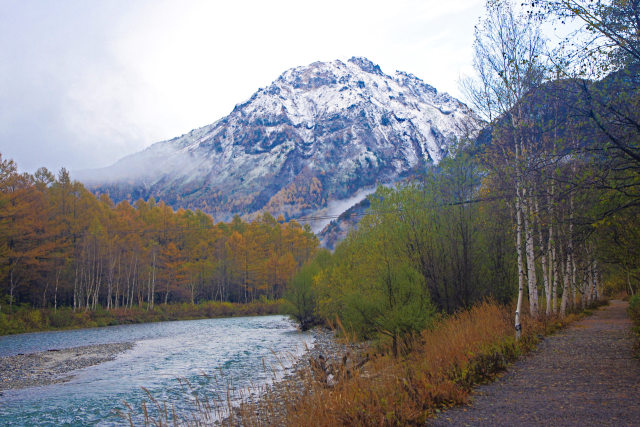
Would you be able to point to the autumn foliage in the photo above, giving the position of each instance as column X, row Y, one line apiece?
column 60, row 245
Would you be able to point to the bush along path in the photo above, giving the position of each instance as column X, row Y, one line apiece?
column 585, row 375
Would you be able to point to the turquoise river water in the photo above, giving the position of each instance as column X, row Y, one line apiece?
column 242, row 351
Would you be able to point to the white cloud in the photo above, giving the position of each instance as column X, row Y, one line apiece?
column 94, row 81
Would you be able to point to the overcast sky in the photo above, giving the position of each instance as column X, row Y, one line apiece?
column 84, row 83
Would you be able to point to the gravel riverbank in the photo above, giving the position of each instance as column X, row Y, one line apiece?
column 55, row 365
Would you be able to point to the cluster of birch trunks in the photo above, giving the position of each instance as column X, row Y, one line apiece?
column 564, row 141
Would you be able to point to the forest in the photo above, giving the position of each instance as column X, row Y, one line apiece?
column 61, row 246
column 541, row 210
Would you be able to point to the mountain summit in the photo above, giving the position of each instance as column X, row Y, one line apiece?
column 315, row 141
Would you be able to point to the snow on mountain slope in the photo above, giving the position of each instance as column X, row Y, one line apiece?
column 320, row 133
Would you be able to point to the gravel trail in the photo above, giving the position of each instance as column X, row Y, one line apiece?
column 585, row 375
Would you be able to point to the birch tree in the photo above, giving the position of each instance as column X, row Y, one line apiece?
column 507, row 59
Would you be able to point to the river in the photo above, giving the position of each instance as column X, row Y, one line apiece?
column 243, row 350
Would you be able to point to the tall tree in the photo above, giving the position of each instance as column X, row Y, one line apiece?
column 508, row 52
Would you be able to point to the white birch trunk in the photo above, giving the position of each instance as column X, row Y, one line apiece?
column 553, row 268
column 565, row 286
column 531, row 262
column 556, row 275
column 594, row 277
column 591, row 284
column 153, row 281
column 55, row 293
column 545, row 267
column 521, row 273
column 148, row 289
column 571, row 264
column 574, row 282
column 75, row 290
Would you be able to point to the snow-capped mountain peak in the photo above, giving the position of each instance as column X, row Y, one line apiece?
column 318, row 134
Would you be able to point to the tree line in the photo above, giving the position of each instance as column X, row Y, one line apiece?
column 60, row 245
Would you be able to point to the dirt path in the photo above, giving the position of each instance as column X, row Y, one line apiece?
column 583, row 376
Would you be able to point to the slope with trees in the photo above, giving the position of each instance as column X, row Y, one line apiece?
column 533, row 210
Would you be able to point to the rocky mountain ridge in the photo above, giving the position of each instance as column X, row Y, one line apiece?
column 311, row 144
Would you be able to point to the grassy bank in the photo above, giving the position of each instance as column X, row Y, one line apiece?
column 26, row 319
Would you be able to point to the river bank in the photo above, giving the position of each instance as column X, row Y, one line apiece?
column 54, row 366
column 323, row 365
column 204, row 356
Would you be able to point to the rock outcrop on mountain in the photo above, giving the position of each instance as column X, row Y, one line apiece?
column 312, row 144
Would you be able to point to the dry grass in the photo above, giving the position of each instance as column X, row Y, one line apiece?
column 459, row 351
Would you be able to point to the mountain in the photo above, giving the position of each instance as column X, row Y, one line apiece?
column 313, row 143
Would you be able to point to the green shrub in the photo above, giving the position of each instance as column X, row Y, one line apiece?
column 33, row 319
column 5, row 324
column 302, row 299
column 60, row 318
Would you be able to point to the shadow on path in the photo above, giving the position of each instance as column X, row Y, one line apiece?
column 584, row 375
